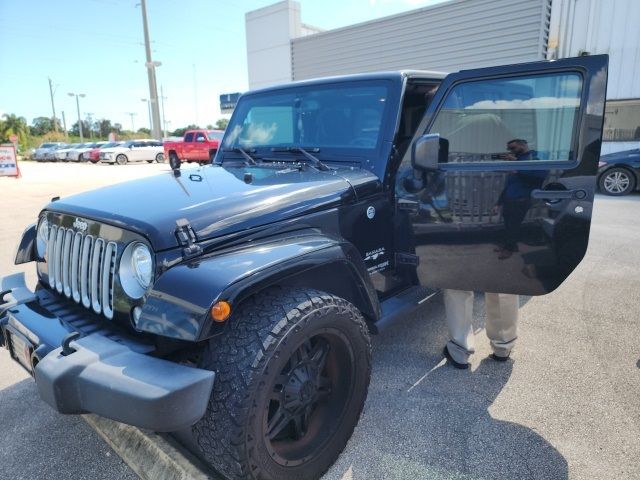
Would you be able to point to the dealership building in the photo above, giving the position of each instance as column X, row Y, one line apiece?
column 455, row 35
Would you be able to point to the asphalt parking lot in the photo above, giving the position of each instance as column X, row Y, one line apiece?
column 566, row 406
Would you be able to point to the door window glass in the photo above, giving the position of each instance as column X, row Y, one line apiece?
column 509, row 119
column 188, row 137
column 200, row 137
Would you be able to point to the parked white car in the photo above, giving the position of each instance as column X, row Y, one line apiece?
column 78, row 154
column 134, row 151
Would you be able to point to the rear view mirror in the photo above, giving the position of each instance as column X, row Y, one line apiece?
column 428, row 151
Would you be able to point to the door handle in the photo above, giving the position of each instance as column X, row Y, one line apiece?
column 558, row 194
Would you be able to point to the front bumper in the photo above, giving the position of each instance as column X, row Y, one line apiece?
column 103, row 371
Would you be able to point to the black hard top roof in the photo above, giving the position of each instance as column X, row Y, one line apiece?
column 393, row 75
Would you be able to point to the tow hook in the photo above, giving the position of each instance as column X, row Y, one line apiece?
column 66, row 341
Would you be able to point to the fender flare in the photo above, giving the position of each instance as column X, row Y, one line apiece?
column 178, row 305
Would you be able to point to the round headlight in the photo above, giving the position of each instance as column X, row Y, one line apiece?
column 136, row 269
column 42, row 237
column 142, row 265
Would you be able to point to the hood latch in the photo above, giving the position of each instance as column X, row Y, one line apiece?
column 187, row 239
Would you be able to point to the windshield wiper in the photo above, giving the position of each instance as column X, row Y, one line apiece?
column 314, row 160
column 245, row 154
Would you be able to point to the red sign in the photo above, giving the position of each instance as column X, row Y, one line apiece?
column 13, row 138
column 8, row 161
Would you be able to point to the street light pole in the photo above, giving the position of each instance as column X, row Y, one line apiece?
column 151, row 70
column 77, row 95
column 149, row 109
column 164, row 123
column 133, row 128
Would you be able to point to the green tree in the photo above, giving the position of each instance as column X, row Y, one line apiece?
column 103, row 127
column 222, row 123
column 144, row 131
column 86, row 129
column 14, row 125
column 41, row 126
column 179, row 132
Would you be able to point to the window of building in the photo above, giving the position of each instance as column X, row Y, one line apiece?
column 622, row 121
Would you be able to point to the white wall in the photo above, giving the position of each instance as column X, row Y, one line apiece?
column 602, row 26
column 269, row 32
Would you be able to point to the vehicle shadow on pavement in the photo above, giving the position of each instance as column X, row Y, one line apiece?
column 426, row 420
column 37, row 442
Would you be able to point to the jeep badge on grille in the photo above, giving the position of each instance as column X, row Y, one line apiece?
column 80, row 225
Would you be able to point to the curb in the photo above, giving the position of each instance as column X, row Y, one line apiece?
column 150, row 455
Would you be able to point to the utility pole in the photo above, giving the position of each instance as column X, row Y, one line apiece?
column 90, row 122
column 64, row 125
column 164, row 123
column 77, row 95
column 195, row 95
column 151, row 70
column 132, row 114
column 53, row 107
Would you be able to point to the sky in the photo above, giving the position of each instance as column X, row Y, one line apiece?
column 96, row 47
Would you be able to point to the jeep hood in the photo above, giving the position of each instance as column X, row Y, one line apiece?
column 215, row 200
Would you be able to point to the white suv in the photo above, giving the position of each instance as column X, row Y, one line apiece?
column 134, row 151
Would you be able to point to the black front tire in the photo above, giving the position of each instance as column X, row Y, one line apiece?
column 174, row 161
column 292, row 374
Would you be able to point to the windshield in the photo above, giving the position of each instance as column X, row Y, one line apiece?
column 345, row 115
column 109, row 145
column 127, row 144
column 215, row 135
column 48, row 145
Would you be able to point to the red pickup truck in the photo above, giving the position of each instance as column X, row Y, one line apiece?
column 196, row 146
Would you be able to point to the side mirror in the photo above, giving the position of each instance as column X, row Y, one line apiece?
column 200, row 139
column 130, row 147
column 429, row 150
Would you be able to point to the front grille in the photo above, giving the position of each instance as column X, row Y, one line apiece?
column 82, row 267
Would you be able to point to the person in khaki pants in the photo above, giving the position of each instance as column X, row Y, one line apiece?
column 501, row 325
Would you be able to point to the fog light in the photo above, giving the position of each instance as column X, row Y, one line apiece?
column 220, row 311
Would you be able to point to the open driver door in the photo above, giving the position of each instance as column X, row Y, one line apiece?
column 503, row 175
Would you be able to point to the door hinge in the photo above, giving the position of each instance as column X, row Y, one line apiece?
column 407, row 259
column 187, row 239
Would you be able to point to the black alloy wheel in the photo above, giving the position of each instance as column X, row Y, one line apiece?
column 292, row 373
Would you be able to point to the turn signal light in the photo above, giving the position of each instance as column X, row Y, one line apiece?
column 220, row 311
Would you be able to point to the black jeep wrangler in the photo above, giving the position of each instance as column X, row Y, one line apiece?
column 235, row 302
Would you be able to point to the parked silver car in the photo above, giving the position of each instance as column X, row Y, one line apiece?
column 78, row 154
column 41, row 151
column 61, row 153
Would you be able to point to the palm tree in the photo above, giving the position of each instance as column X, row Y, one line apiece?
column 14, row 125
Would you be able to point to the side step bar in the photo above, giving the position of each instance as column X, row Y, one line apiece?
column 402, row 305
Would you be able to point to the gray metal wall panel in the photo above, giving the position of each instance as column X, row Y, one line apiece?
column 450, row 36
